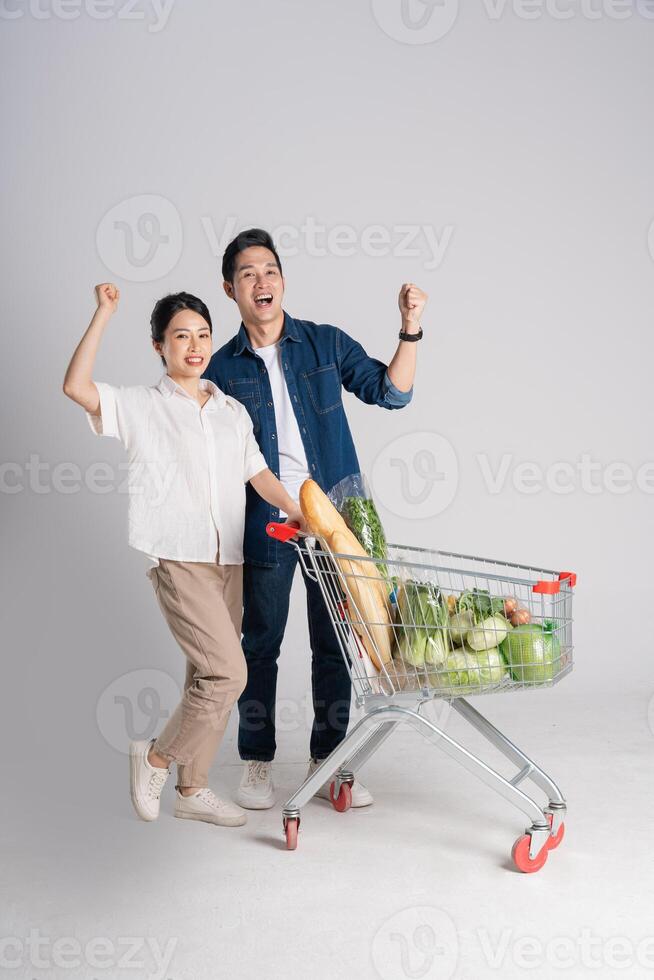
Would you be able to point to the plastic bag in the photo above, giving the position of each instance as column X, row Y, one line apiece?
column 353, row 500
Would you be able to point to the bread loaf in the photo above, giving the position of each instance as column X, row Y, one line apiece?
column 361, row 579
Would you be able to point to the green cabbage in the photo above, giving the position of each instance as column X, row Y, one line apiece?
column 489, row 667
column 533, row 653
column 455, row 672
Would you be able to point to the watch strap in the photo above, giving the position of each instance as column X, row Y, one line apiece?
column 411, row 337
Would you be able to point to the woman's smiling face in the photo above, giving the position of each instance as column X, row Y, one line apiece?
column 186, row 345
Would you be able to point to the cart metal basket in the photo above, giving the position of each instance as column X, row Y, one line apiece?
column 447, row 625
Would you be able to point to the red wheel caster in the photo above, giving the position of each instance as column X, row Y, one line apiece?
column 291, row 825
column 521, row 859
column 555, row 840
column 343, row 801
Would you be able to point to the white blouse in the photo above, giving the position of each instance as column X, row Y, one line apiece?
column 188, row 467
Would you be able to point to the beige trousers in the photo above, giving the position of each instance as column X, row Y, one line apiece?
column 202, row 603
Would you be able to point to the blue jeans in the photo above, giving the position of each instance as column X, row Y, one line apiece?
column 266, row 593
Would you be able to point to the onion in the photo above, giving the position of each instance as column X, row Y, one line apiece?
column 520, row 617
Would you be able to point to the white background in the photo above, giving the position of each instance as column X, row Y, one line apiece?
column 522, row 139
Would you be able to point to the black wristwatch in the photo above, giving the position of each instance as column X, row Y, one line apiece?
column 411, row 336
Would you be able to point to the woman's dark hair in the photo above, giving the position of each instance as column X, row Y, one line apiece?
column 247, row 239
column 166, row 308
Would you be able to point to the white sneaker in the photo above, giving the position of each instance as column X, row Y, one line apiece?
column 361, row 796
column 256, row 790
column 205, row 805
column 145, row 781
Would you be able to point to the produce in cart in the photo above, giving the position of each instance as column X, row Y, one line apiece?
column 449, row 642
column 353, row 500
column 420, row 634
column 533, row 652
column 478, row 620
column 370, row 613
column 470, row 669
column 420, row 639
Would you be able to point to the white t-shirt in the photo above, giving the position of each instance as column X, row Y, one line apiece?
column 188, row 467
column 293, row 465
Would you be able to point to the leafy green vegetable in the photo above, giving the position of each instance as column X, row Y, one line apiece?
column 360, row 515
column 421, row 621
column 436, row 649
column 480, row 603
column 533, row 652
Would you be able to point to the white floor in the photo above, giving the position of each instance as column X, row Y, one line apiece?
column 418, row 886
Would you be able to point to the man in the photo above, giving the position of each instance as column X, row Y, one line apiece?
column 289, row 374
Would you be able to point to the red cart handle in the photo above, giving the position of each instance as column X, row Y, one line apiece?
column 281, row 532
column 553, row 588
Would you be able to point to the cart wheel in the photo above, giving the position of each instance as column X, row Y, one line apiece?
column 291, row 825
column 343, row 801
column 521, row 859
column 553, row 842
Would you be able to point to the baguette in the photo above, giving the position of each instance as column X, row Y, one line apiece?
column 361, row 580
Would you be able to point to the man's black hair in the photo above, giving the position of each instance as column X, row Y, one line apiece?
column 247, row 239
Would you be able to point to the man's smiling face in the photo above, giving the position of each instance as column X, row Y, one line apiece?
column 258, row 286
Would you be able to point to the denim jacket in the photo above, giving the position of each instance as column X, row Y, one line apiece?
column 318, row 362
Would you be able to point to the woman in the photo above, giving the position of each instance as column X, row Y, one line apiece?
column 191, row 451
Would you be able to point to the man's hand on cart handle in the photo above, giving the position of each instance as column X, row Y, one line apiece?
column 284, row 531
column 296, row 519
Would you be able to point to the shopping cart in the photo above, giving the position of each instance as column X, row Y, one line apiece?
column 445, row 622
